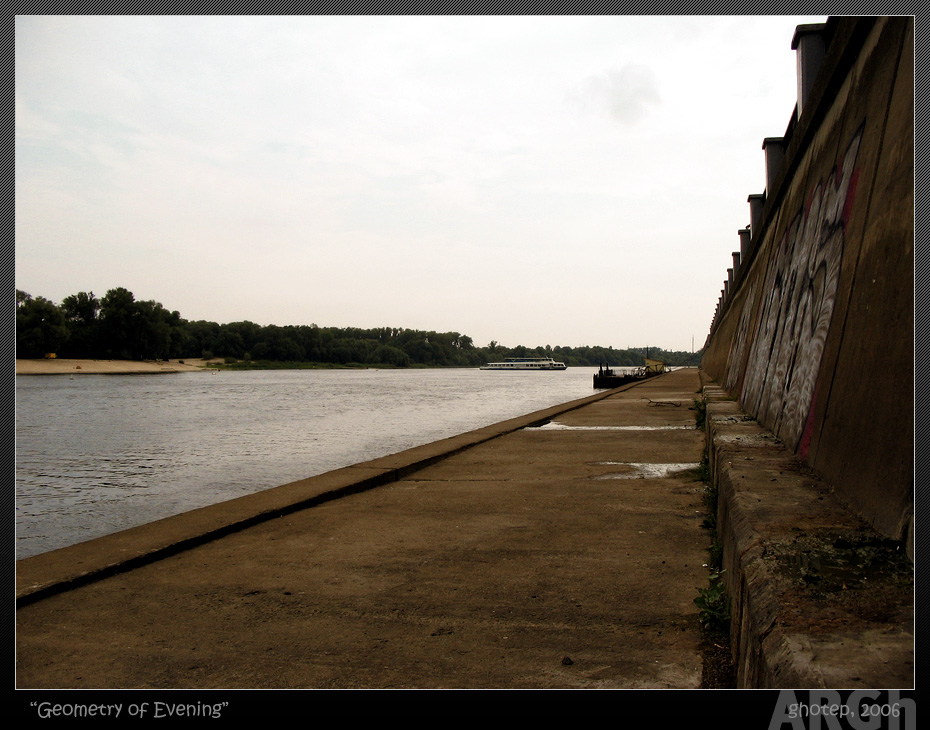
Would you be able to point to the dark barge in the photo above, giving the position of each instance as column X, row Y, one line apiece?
column 605, row 377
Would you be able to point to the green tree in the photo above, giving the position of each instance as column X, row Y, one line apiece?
column 229, row 344
column 152, row 329
column 81, row 316
column 201, row 338
column 82, row 307
column 40, row 326
column 389, row 355
column 117, row 314
column 131, row 330
column 239, row 338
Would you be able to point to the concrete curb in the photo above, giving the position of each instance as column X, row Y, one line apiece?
column 59, row 570
column 817, row 598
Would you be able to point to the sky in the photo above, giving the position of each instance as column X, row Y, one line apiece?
column 529, row 180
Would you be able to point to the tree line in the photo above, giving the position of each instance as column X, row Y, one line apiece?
column 117, row 326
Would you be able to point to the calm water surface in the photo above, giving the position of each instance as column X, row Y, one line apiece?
column 101, row 453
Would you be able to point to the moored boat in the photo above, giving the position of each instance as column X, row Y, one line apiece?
column 606, row 377
column 523, row 364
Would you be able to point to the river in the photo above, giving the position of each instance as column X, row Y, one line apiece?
column 100, row 453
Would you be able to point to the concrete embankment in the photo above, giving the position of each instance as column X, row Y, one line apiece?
column 562, row 549
column 811, row 430
column 818, row 598
column 515, row 556
column 814, row 334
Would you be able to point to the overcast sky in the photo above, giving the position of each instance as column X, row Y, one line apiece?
column 530, row 180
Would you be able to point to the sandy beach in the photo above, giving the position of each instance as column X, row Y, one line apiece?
column 66, row 366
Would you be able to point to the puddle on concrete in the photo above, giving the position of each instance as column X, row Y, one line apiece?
column 643, row 471
column 554, row 426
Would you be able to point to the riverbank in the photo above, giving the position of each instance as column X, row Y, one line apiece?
column 560, row 549
column 67, row 366
column 511, row 556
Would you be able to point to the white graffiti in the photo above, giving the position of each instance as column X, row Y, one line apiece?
column 797, row 305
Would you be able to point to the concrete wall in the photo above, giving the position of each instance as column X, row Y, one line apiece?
column 814, row 336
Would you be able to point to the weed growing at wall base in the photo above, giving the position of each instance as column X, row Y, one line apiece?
column 714, row 604
column 700, row 415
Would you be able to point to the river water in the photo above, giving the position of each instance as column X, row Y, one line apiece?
column 101, row 453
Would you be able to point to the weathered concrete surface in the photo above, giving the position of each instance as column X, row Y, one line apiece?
column 541, row 558
column 818, row 598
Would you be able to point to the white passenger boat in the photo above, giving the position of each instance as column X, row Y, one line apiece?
column 525, row 363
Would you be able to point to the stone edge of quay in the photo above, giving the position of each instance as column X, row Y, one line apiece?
column 766, row 497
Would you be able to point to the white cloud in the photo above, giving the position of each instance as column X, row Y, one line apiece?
column 626, row 94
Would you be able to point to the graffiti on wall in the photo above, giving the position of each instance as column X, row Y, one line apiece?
column 797, row 305
column 740, row 343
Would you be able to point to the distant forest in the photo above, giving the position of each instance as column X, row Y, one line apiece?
column 118, row 327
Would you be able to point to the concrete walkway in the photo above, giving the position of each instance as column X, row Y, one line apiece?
column 561, row 556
